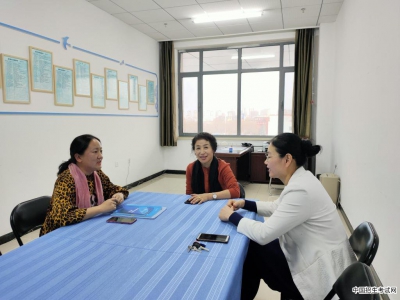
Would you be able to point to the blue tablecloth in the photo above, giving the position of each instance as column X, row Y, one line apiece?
column 145, row 260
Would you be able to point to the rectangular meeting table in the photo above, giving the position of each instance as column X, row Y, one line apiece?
column 146, row 260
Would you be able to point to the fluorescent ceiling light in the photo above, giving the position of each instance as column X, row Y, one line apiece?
column 229, row 15
column 255, row 56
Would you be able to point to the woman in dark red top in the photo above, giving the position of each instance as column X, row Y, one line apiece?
column 209, row 178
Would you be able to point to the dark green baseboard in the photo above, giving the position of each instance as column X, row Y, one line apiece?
column 143, row 180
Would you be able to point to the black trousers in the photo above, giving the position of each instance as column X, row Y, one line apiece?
column 268, row 263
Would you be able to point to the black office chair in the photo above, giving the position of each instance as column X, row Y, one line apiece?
column 28, row 216
column 365, row 241
column 242, row 191
column 346, row 286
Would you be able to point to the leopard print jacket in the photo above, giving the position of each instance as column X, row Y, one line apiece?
column 63, row 211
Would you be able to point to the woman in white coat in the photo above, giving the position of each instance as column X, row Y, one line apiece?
column 302, row 248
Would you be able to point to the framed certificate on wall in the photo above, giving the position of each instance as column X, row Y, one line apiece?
column 41, row 70
column 133, row 88
column 81, row 78
column 142, row 98
column 150, row 92
column 123, row 99
column 63, row 84
column 15, row 77
column 98, row 91
column 111, row 84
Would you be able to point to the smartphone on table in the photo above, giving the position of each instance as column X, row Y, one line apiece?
column 121, row 220
column 217, row 238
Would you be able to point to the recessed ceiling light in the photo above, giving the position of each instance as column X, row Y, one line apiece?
column 229, row 15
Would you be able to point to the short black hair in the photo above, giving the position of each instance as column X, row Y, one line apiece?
column 205, row 136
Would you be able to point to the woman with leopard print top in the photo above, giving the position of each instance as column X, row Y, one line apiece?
column 82, row 190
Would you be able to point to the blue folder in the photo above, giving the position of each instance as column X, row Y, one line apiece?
column 138, row 211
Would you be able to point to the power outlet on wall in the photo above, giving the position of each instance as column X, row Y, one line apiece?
column 116, row 164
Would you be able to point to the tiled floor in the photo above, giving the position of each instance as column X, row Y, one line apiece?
column 175, row 184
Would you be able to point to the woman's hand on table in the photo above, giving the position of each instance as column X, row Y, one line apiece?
column 108, row 205
column 226, row 212
column 198, row 198
column 235, row 204
column 118, row 197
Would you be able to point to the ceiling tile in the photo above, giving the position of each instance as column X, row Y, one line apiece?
column 189, row 24
column 108, row 6
column 265, row 26
column 178, row 34
column 260, row 4
column 330, row 9
column 144, row 28
column 150, row 16
column 158, row 36
column 203, row 32
column 273, row 15
column 235, row 29
column 155, row 15
column 174, row 3
column 216, row 7
column 136, row 5
column 300, row 22
column 327, row 19
column 127, row 18
column 297, row 12
column 296, row 3
column 185, row 12
column 167, row 26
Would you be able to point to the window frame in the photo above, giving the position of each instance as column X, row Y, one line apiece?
column 239, row 71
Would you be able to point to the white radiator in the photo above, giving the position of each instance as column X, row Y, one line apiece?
column 330, row 182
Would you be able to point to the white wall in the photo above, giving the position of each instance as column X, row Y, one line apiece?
column 323, row 104
column 32, row 146
column 359, row 90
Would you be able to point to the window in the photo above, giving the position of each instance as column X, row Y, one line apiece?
column 236, row 92
column 220, row 104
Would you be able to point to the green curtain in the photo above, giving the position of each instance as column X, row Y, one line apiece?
column 167, row 95
column 302, row 94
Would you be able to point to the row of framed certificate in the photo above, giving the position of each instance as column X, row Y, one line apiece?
column 66, row 82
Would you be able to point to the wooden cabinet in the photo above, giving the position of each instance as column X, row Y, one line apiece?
column 239, row 161
column 259, row 171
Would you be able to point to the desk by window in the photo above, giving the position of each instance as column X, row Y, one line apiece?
column 145, row 260
column 239, row 160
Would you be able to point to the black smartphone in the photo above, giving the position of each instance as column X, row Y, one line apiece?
column 121, row 220
column 217, row 238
